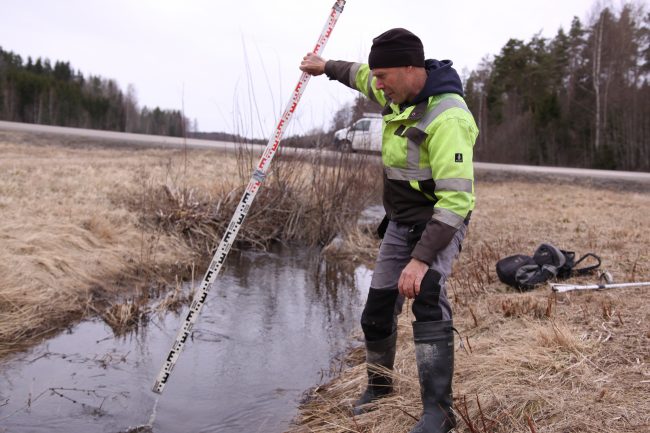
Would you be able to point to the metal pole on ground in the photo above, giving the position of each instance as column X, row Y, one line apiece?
column 561, row 288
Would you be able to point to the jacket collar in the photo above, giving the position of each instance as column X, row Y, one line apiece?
column 416, row 114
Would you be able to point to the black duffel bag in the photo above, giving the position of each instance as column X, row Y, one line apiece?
column 524, row 272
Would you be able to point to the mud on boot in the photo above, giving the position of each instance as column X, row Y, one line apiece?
column 434, row 353
column 380, row 354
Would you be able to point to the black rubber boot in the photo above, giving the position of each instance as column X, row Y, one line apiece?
column 434, row 353
column 378, row 353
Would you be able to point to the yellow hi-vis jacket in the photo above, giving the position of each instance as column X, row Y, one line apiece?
column 427, row 154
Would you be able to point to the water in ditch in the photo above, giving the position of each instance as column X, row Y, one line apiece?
column 272, row 327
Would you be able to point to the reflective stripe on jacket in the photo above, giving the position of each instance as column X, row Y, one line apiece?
column 427, row 153
column 430, row 147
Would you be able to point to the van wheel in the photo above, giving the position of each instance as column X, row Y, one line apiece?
column 345, row 146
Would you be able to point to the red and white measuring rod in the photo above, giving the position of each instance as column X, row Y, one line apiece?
column 242, row 209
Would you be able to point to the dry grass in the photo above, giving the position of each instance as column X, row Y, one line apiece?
column 69, row 245
column 305, row 201
column 90, row 230
column 529, row 362
column 85, row 229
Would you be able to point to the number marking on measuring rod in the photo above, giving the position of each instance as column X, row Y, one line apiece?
column 242, row 210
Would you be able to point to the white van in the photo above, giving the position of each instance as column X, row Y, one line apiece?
column 363, row 135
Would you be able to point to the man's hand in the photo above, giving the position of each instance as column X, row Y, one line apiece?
column 313, row 64
column 411, row 277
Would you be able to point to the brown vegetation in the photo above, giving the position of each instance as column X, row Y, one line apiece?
column 68, row 246
column 85, row 230
column 528, row 362
column 90, row 230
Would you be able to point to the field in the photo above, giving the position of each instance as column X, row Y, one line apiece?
column 102, row 230
column 69, row 241
column 535, row 361
column 90, row 230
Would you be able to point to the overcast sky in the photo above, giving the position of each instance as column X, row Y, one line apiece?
column 232, row 65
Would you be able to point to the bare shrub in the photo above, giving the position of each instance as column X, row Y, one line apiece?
column 306, row 199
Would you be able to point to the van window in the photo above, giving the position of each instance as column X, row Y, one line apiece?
column 362, row 125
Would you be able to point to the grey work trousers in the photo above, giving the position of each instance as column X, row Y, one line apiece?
column 379, row 318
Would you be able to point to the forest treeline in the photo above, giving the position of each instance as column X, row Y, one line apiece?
column 580, row 99
column 35, row 91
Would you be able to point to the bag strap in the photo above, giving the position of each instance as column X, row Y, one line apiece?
column 569, row 256
column 586, row 269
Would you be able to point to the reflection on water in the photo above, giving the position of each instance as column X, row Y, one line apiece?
column 270, row 327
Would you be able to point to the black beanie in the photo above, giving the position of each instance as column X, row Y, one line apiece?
column 396, row 47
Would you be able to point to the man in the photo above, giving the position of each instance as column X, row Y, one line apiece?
column 427, row 145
